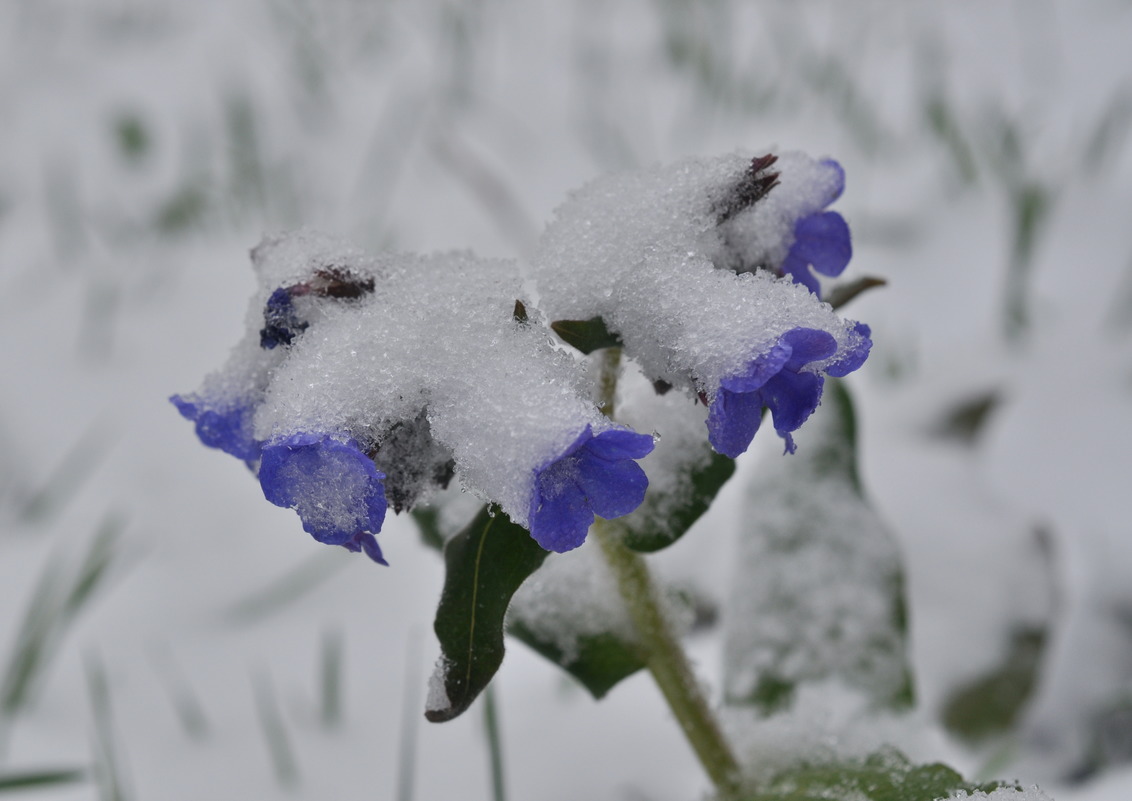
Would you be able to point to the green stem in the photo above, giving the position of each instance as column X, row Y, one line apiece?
column 664, row 655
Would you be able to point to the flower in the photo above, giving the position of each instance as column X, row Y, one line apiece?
column 227, row 427
column 281, row 322
column 821, row 240
column 596, row 475
column 333, row 485
column 775, row 380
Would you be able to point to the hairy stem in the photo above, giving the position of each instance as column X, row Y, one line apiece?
column 664, row 654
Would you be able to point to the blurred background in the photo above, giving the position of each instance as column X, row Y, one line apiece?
column 167, row 634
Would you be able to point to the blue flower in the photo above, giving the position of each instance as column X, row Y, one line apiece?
column 595, row 475
column 334, row 486
column 821, row 240
column 228, row 427
column 774, row 380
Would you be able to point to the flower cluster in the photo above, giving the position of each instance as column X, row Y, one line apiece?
column 365, row 382
column 345, row 401
column 670, row 258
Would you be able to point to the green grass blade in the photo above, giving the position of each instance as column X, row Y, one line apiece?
column 287, row 588
column 494, row 744
column 24, row 779
column 107, row 765
column 330, row 679
column 275, row 732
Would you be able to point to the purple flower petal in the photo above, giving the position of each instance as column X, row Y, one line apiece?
column 734, row 416
column 838, row 185
column 612, row 487
column 228, row 428
column 807, row 345
column 733, row 420
column 797, row 267
column 823, row 241
column 792, row 398
column 620, row 443
column 761, row 369
column 332, row 485
column 560, row 515
column 365, row 542
column 854, row 358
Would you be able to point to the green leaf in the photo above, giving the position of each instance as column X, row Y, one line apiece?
column 884, row 776
column 600, row 661
column 991, row 703
column 653, row 526
column 486, row 563
column 586, row 335
column 427, row 519
column 966, row 420
column 823, row 594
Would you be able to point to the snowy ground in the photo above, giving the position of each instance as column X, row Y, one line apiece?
column 148, row 145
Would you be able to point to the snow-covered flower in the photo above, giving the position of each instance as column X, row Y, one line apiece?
column 821, row 238
column 681, row 262
column 596, row 475
column 332, row 485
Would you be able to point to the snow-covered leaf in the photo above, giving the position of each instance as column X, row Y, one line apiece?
column 884, row 776
column 819, row 586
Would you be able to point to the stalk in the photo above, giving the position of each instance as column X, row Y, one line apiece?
column 664, row 655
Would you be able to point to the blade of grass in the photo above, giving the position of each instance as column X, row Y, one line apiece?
column 24, row 779
column 64, row 483
column 54, row 605
column 410, row 718
column 287, row 588
column 186, row 704
column 330, row 674
column 494, row 744
column 107, row 757
column 274, row 730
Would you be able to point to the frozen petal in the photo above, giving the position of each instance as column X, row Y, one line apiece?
column 365, row 542
column 560, row 514
column 807, row 345
column 791, row 398
column 760, row 370
column 854, row 358
column 837, row 186
column 334, row 487
column 229, row 429
column 733, row 420
column 620, row 443
column 798, row 268
column 612, row 487
column 823, row 240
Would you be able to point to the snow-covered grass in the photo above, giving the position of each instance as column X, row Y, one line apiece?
column 182, row 638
